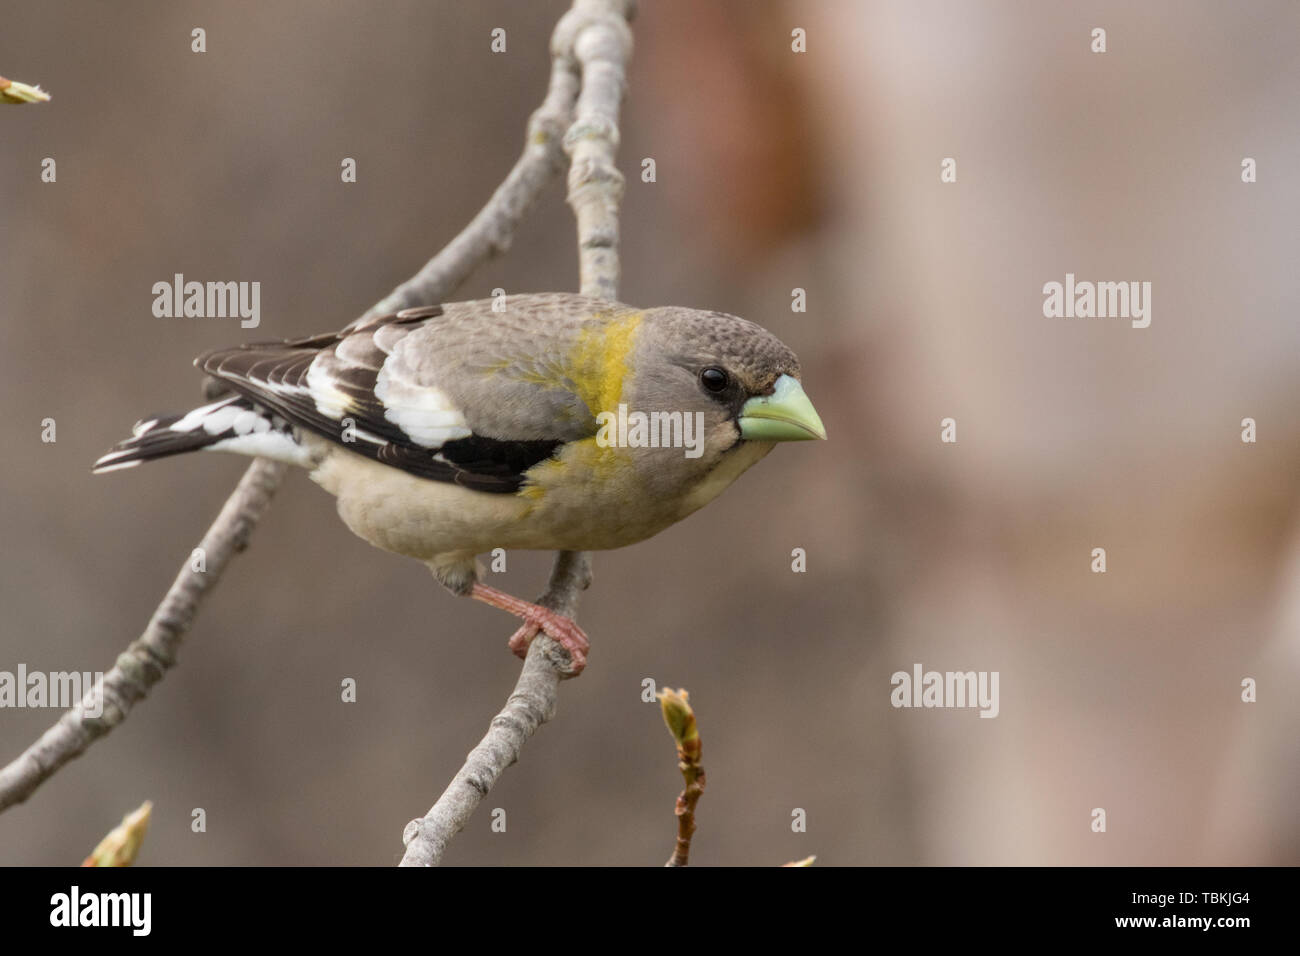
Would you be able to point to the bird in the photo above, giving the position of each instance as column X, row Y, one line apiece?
column 547, row 421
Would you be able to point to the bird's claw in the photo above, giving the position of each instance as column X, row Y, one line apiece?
column 558, row 628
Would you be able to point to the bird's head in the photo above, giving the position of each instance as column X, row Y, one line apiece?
column 743, row 379
column 730, row 387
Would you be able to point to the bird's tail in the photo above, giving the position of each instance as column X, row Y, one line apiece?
column 232, row 424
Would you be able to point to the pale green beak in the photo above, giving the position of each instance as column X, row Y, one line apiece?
column 785, row 415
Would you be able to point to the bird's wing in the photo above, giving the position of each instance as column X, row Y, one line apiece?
column 455, row 393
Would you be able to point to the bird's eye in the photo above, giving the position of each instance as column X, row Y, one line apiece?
column 714, row 379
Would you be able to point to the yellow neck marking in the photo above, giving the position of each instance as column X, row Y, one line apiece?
column 599, row 362
column 598, row 367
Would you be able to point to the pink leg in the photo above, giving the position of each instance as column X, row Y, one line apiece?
column 537, row 618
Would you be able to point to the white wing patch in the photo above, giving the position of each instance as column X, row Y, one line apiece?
column 425, row 413
column 264, row 443
column 214, row 418
column 331, row 401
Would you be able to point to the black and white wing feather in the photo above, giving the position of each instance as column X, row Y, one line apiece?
column 459, row 393
column 348, row 388
column 231, row 424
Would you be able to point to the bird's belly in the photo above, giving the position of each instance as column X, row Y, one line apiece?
column 618, row 502
column 422, row 518
column 585, row 500
column 417, row 517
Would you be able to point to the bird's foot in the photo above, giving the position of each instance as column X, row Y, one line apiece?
column 522, row 638
column 558, row 628
column 537, row 619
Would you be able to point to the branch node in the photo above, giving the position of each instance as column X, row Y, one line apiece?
column 411, row 831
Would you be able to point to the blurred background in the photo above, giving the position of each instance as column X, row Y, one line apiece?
column 775, row 170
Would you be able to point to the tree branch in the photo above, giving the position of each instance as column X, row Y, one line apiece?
column 149, row 657
column 594, row 40
column 153, row 653
column 531, row 704
column 597, row 33
column 490, row 232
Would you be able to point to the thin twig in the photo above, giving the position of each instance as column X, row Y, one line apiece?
column 680, row 719
column 594, row 39
column 11, row 91
column 122, row 844
column 491, row 231
column 149, row 657
column 153, row 653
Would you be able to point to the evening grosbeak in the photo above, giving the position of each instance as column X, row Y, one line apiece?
column 449, row 431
